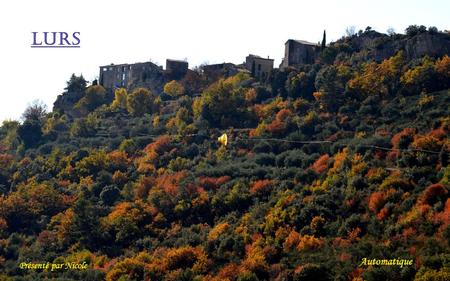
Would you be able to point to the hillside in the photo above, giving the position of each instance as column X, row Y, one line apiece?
column 326, row 165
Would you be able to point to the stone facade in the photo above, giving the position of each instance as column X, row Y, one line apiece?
column 213, row 72
column 176, row 68
column 298, row 52
column 226, row 66
column 129, row 76
column 259, row 67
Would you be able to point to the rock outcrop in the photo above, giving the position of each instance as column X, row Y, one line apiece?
column 376, row 46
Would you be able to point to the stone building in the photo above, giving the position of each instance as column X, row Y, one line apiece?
column 114, row 76
column 212, row 72
column 299, row 52
column 259, row 67
column 176, row 68
column 129, row 76
column 219, row 69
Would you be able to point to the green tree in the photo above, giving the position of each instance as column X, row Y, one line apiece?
column 324, row 40
column 301, row 84
column 86, row 222
column 129, row 146
column 30, row 132
column 76, row 83
column 413, row 30
column 331, row 81
column 84, row 127
column 223, row 103
column 109, row 194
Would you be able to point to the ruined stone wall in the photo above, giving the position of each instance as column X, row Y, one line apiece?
column 147, row 75
column 176, row 69
column 130, row 76
column 297, row 53
column 259, row 67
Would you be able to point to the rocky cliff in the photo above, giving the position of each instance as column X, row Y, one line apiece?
column 376, row 46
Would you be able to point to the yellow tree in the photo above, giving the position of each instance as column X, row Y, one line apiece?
column 140, row 101
column 120, row 99
column 94, row 96
column 380, row 78
column 174, row 89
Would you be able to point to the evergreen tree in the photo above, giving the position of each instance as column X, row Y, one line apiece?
column 324, row 40
column 76, row 83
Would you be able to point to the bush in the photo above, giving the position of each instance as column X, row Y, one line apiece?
column 83, row 127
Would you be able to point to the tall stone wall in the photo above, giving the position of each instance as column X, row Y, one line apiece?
column 259, row 67
column 130, row 76
column 299, row 52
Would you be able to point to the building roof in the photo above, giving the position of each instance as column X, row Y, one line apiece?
column 258, row 57
column 180, row 61
column 113, row 65
column 127, row 64
column 302, row 42
column 218, row 65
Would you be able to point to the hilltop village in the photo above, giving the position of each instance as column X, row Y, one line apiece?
column 299, row 55
column 152, row 76
column 296, row 54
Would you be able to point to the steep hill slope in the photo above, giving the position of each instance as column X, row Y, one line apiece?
column 328, row 166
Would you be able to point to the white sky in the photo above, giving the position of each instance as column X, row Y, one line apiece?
column 211, row 31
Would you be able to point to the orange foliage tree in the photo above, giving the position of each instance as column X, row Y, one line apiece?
column 168, row 262
column 261, row 187
column 432, row 193
column 148, row 162
column 211, row 182
column 280, row 122
column 128, row 220
column 378, row 198
column 321, row 164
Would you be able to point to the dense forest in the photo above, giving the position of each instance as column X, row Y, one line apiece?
column 326, row 164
